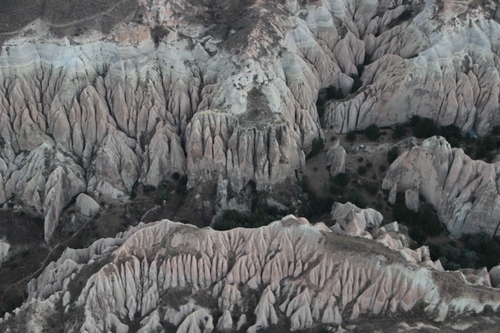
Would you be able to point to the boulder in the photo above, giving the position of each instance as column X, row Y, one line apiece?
column 335, row 159
column 86, row 205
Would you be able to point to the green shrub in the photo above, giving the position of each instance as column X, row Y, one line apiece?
column 496, row 130
column 392, row 154
column 351, row 136
column 382, row 167
column 320, row 107
column 163, row 192
column 336, row 189
column 334, row 93
column 418, row 234
column 356, row 84
column 317, row 145
column 424, row 127
column 372, row 132
column 372, row 188
column 148, row 188
column 362, row 170
column 427, row 218
column 357, row 199
column 399, row 131
column 341, row 179
column 369, row 164
column 452, row 133
column 360, row 159
column 176, row 176
column 489, row 143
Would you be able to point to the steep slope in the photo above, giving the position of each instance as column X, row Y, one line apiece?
column 168, row 276
column 464, row 192
column 127, row 92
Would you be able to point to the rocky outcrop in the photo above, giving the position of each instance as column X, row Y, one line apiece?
column 86, row 205
column 179, row 87
column 464, row 192
column 168, row 276
column 438, row 60
column 335, row 159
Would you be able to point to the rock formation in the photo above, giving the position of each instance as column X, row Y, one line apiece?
column 335, row 159
column 172, row 277
column 464, row 192
column 137, row 91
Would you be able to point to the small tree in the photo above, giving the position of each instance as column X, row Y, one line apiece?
column 372, row 132
column 351, row 136
column 392, row 154
column 399, row 132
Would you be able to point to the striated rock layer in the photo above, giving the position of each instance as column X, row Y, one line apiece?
column 464, row 192
column 134, row 91
column 171, row 277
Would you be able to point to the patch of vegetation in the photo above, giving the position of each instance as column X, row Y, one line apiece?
column 357, row 199
column 423, row 127
column 320, row 107
column 452, row 134
column 351, row 136
column 334, row 93
column 317, row 145
column 421, row 224
column 313, row 206
column 260, row 215
column 362, row 170
column 392, row 154
column 382, row 167
column 341, row 179
column 369, row 164
column 356, row 84
column 399, row 131
column 372, row 132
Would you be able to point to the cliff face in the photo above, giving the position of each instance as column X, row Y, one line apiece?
column 135, row 91
column 464, row 192
column 171, row 277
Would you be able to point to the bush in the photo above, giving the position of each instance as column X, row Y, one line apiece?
column 427, row 218
column 334, row 93
column 392, row 154
column 341, row 179
column 176, row 176
column 372, row 188
column 362, row 170
column 418, row 234
column 148, row 188
column 360, row 159
column 424, row 127
column 489, row 143
column 351, row 136
column 451, row 133
column 369, row 164
column 336, row 189
column 382, row 167
column 496, row 130
column 399, row 131
column 317, row 145
column 320, row 107
column 356, row 84
column 163, row 192
column 372, row 132
column 357, row 199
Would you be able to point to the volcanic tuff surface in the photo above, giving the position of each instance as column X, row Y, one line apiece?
column 289, row 275
column 464, row 192
column 98, row 99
